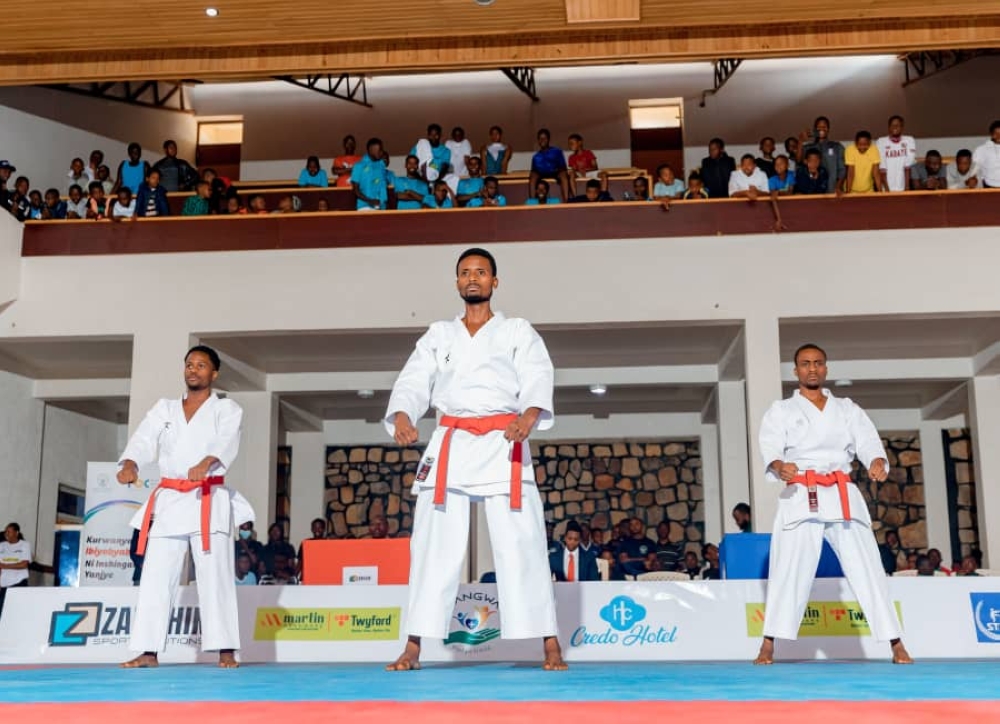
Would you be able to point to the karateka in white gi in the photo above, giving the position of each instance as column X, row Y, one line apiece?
column 808, row 443
column 491, row 380
column 194, row 440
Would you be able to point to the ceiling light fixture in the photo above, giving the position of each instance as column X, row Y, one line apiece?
column 598, row 390
column 212, row 12
column 843, row 383
column 366, row 394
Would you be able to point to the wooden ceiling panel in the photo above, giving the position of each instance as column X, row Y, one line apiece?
column 261, row 38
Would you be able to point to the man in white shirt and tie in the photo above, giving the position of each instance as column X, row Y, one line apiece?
column 808, row 443
column 572, row 564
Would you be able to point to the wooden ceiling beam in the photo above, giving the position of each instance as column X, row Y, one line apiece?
column 580, row 46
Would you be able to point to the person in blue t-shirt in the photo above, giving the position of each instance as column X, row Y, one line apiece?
column 472, row 187
column 411, row 188
column 491, row 195
column 548, row 162
column 312, row 174
column 783, row 180
column 442, row 198
column 541, row 196
column 370, row 179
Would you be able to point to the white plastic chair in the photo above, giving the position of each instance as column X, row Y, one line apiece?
column 604, row 569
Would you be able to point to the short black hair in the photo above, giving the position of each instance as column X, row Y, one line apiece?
column 745, row 156
column 659, row 169
column 372, row 141
column 476, row 251
column 964, row 153
column 134, row 147
column 434, row 127
column 932, row 153
column 814, row 152
column 695, row 176
column 546, row 131
column 75, row 160
column 497, row 129
column 78, row 187
column 17, row 529
column 766, row 138
column 705, row 548
column 312, row 159
column 821, row 118
column 717, row 142
column 169, row 142
column 494, row 179
column 742, row 508
column 896, row 117
column 805, row 348
column 575, row 137
column 457, row 128
column 543, row 182
column 413, row 157
column 349, row 137
column 212, row 355
column 573, row 527
column 594, row 184
column 994, row 126
column 862, row 134
column 92, row 186
column 317, row 520
column 53, row 191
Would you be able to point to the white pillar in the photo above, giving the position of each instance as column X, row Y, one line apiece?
column 308, row 484
column 935, row 490
column 255, row 471
column 733, row 452
column 763, row 368
column 710, row 483
column 984, row 419
column 157, row 370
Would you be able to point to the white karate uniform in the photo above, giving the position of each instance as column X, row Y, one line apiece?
column 503, row 369
column 425, row 155
column 458, row 153
column 178, row 445
column 795, row 430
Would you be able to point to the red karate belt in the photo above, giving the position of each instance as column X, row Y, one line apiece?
column 811, row 479
column 183, row 486
column 478, row 426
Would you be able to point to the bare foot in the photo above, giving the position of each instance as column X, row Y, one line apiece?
column 409, row 660
column 553, row 655
column 227, row 659
column 899, row 653
column 145, row 660
column 766, row 655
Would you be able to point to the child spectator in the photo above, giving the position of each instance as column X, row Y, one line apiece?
column 442, row 197
column 256, row 205
column 667, row 185
column 152, row 197
column 132, row 172
column 696, row 187
column 813, row 178
column 582, row 162
column 495, row 155
column 233, row 205
column 313, row 175
column 122, row 207
column 76, row 207
column 322, row 205
column 863, row 160
column 592, row 194
column 220, row 189
column 963, row 174
column 541, row 197
column 54, row 207
column 78, row 174
column 288, row 205
column 96, row 159
column 198, row 205
column 19, row 202
column 491, row 195
column 783, row 181
column 35, row 205
column 104, row 176
column 96, row 204
column 640, row 189
column 343, row 164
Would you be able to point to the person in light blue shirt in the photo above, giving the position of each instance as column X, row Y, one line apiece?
column 491, row 195
column 667, row 185
column 783, row 181
column 495, row 155
column 370, row 179
column 442, row 198
column 435, row 157
column 312, row 174
column 244, row 576
column 411, row 188
column 541, row 196
column 472, row 187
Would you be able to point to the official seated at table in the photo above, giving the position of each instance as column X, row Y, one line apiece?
column 571, row 563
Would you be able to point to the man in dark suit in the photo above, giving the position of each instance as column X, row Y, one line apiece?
column 571, row 563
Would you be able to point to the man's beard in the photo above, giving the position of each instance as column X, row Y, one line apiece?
column 196, row 387
column 811, row 385
column 477, row 298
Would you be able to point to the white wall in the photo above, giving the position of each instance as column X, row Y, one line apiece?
column 10, row 258
column 20, row 453
column 70, row 441
column 764, row 97
column 42, row 130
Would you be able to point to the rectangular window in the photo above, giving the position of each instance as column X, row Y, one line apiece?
column 655, row 113
column 219, row 133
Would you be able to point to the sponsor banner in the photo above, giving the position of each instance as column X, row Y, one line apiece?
column 822, row 618
column 626, row 621
column 986, row 617
column 104, row 543
column 327, row 624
